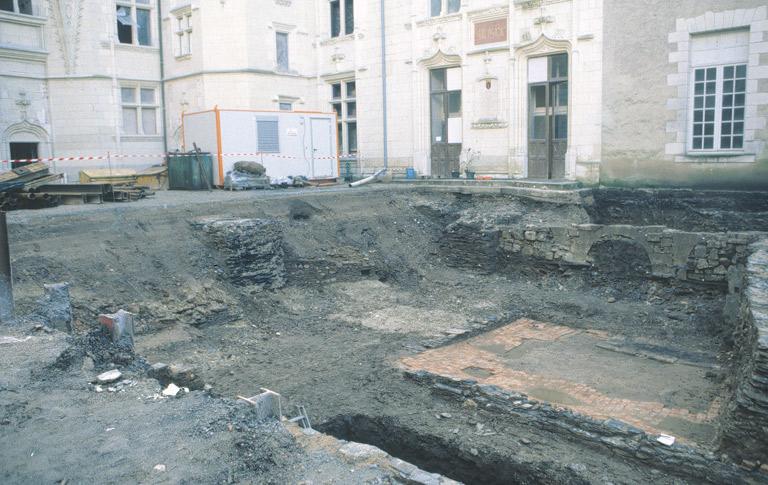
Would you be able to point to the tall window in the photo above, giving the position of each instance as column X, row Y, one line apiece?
column 342, row 10
column 281, row 46
column 344, row 104
column 440, row 7
column 140, row 110
column 133, row 22
column 18, row 6
column 719, row 98
column 183, row 26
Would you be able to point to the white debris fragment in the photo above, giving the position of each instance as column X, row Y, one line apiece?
column 171, row 390
column 360, row 451
column 159, row 467
column 109, row 376
column 665, row 439
column 12, row 340
column 98, row 388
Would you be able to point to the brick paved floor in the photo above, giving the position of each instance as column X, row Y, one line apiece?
column 564, row 366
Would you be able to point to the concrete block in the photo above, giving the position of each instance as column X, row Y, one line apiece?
column 268, row 404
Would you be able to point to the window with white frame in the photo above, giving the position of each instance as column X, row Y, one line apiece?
column 718, row 87
column 344, row 104
column 342, row 11
column 134, row 24
column 443, row 7
column 140, row 110
column 183, row 32
column 719, row 99
column 281, row 51
column 17, row 6
column 285, row 106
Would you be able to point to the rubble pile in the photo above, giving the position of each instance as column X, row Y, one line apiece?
column 201, row 304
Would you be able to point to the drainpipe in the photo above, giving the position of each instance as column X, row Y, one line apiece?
column 162, row 76
column 384, row 82
column 6, row 277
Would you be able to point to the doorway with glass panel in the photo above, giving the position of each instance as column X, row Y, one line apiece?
column 445, row 120
column 548, row 116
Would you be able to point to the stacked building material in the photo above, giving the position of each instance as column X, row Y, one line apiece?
column 34, row 187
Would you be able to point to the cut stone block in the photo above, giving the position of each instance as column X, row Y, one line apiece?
column 119, row 325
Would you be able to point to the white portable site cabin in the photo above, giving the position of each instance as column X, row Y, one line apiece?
column 287, row 143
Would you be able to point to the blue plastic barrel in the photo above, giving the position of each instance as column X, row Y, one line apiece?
column 410, row 173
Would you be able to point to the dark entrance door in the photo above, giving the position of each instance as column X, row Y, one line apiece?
column 22, row 151
column 548, row 121
column 445, row 122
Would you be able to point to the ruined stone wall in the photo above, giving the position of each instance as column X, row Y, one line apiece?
column 744, row 429
column 713, row 258
column 701, row 257
column 252, row 249
column 470, row 246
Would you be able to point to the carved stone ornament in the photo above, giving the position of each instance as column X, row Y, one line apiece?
column 67, row 16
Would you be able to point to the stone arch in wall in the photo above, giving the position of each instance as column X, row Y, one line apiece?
column 28, row 133
column 623, row 256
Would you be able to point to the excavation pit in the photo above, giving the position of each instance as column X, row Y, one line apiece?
column 533, row 340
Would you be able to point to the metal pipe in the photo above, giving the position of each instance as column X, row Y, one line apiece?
column 162, row 76
column 384, row 82
column 6, row 277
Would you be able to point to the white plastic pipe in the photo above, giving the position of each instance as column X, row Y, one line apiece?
column 370, row 179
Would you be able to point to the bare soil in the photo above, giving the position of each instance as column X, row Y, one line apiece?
column 367, row 284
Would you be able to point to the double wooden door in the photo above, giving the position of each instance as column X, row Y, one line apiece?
column 548, row 121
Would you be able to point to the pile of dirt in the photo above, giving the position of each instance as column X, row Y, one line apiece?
column 101, row 353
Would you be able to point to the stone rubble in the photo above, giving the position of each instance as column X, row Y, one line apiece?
column 109, row 376
column 620, row 437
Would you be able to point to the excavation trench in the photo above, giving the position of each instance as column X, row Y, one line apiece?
column 438, row 454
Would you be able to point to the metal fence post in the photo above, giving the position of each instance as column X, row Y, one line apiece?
column 6, row 277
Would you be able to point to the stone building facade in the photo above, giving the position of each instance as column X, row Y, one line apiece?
column 688, row 106
column 517, row 88
column 69, row 85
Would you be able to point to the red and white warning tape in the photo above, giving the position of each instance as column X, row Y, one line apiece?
column 158, row 156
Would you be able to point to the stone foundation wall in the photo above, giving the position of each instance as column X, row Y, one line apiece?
column 613, row 435
column 703, row 257
column 744, row 429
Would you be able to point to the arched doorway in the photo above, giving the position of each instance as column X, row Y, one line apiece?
column 24, row 141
